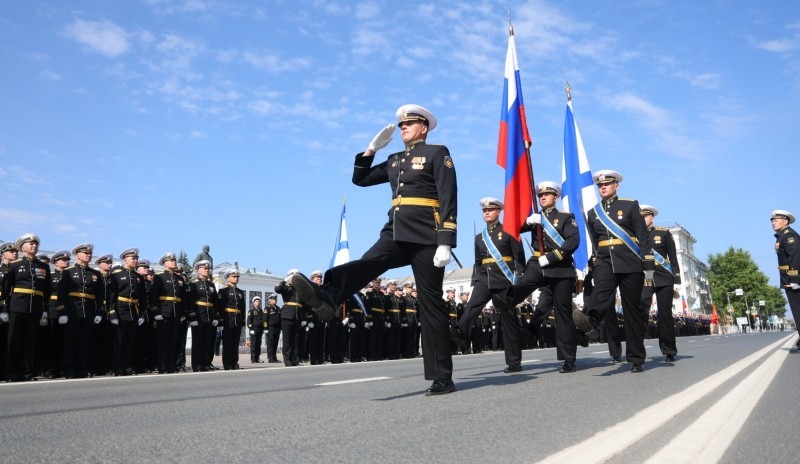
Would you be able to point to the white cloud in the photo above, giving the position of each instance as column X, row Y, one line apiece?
column 367, row 10
column 102, row 36
column 778, row 46
column 274, row 63
column 47, row 74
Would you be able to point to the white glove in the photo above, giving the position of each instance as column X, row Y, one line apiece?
column 368, row 324
column 63, row 320
column 533, row 219
column 649, row 275
column 345, row 320
column 442, row 256
column 419, row 324
column 183, row 318
column 42, row 320
column 352, row 325
column 214, row 322
column 193, row 324
column 310, row 325
column 795, row 286
column 543, row 262
column 140, row 321
column 97, row 319
column 303, row 323
column 252, row 332
column 115, row 321
column 403, row 325
column 4, row 317
column 382, row 138
column 483, row 330
column 528, row 321
column 159, row 317
column 388, row 325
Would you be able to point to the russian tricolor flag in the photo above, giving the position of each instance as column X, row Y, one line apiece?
column 511, row 147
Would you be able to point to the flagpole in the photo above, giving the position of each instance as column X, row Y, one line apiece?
column 534, row 199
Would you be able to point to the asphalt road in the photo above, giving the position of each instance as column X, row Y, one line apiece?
column 727, row 399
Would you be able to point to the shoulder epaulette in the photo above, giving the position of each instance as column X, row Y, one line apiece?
column 71, row 267
column 787, row 231
column 665, row 229
column 117, row 270
column 16, row 260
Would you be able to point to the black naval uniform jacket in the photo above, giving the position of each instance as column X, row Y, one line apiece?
column 662, row 242
column 55, row 279
column 424, row 188
column 79, row 291
column 168, row 295
column 787, row 246
column 486, row 270
column 627, row 214
column 104, row 294
column 231, row 306
column 3, row 271
column 200, row 299
column 560, row 257
column 128, row 296
column 27, row 286
column 256, row 319
column 291, row 308
column 395, row 308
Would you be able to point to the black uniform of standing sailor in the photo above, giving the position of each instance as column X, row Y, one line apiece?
column 666, row 281
column 498, row 257
column 26, row 292
column 623, row 259
column 420, row 231
column 231, row 308
column 787, row 246
column 79, row 292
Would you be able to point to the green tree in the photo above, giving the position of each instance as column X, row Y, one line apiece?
column 188, row 270
column 736, row 269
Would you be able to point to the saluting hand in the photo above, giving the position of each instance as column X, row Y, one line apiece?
column 382, row 138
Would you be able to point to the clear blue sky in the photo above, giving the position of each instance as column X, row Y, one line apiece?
column 170, row 124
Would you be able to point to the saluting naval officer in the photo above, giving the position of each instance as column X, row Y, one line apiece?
column 787, row 247
column 624, row 259
column 78, row 293
column 231, row 306
column 420, row 232
column 26, row 288
column 498, row 259
column 666, row 281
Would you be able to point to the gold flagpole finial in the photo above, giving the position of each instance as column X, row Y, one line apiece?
column 568, row 89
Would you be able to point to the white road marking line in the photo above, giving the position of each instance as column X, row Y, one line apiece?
column 607, row 443
column 343, row 382
column 531, row 361
column 729, row 414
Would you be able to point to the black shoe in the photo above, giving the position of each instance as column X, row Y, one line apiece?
column 583, row 324
column 501, row 303
column 441, row 387
column 616, row 359
column 637, row 367
column 583, row 340
column 670, row 358
column 512, row 369
column 320, row 299
column 568, row 367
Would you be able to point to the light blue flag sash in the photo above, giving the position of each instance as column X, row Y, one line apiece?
column 498, row 258
column 551, row 231
column 360, row 303
column 660, row 260
column 616, row 230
